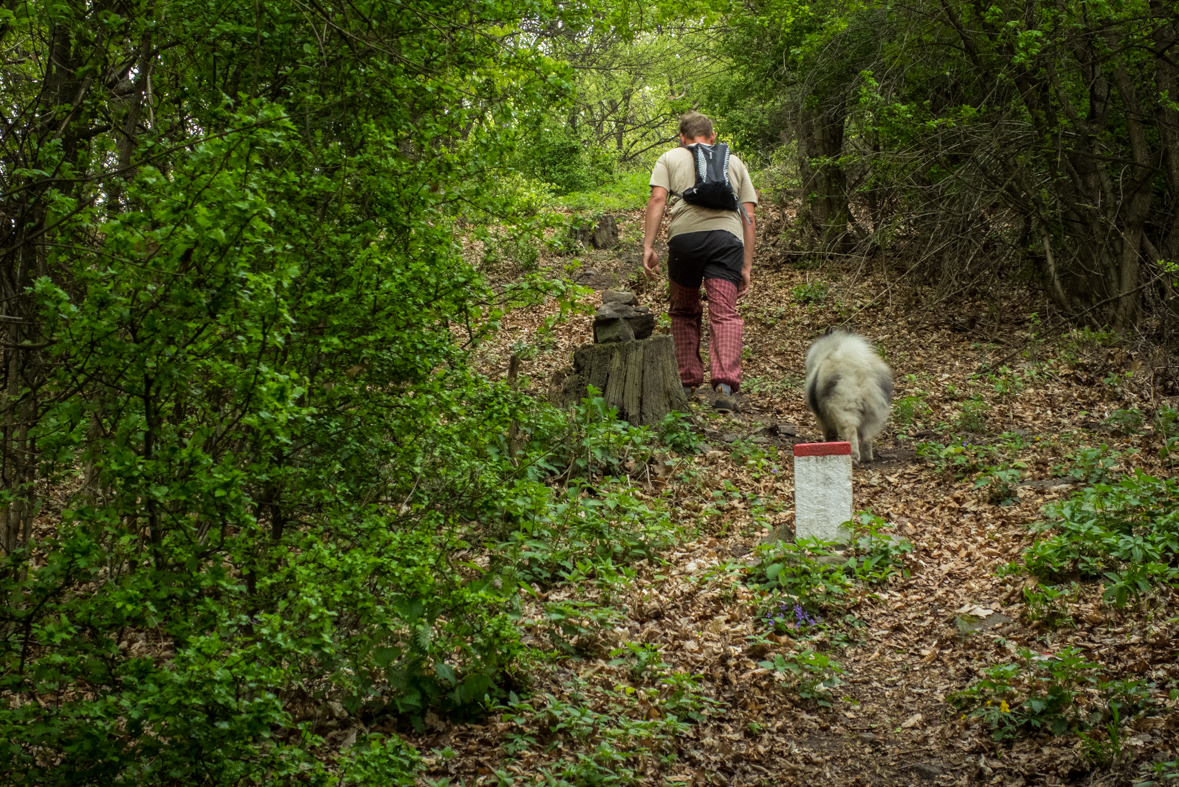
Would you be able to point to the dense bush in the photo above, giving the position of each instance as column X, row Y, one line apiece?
column 558, row 157
column 1125, row 534
column 1020, row 134
column 241, row 374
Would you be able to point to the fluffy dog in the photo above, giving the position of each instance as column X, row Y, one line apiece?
column 849, row 389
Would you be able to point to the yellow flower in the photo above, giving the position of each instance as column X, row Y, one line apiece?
column 988, row 703
column 1003, row 707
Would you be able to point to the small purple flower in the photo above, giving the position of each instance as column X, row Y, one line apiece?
column 802, row 618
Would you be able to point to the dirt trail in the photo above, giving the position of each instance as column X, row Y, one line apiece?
column 907, row 643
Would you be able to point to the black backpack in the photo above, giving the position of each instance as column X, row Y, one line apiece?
column 712, row 188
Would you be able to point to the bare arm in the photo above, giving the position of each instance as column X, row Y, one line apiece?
column 655, row 207
column 748, row 237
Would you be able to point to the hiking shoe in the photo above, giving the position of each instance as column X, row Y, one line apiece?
column 724, row 402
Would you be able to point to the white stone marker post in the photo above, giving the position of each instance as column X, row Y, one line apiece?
column 822, row 491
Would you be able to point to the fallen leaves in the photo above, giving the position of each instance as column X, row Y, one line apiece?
column 906, row 649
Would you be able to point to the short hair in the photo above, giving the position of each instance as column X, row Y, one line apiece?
column 694, row 125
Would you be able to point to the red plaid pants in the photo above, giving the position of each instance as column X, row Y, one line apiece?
column 725, row 323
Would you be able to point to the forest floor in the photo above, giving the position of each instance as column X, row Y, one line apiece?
column 981, row 383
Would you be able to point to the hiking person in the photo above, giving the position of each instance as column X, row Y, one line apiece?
column 710, row 241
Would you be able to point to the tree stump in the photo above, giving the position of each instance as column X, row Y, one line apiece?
column 605, row 234
column 602, row 235
column 640, row 378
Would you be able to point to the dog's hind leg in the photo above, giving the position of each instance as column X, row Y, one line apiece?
column 866, row 448
column 827, row 430
column 851, row 435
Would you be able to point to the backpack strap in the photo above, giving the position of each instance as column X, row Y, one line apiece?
column 699, row 173
column 680, row 194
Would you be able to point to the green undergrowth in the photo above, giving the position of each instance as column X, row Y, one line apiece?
column 392, row 617
column 1059, row 694
column 1119, row 532
column 805, row 594
column 381, row 761
column 965, row 456
column 612, row 732
column 812, row 575
column 625, row 191
column 1124, row 534
column 1156, row 774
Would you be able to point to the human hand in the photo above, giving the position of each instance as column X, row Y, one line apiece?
column 651, row 263
column 743, row 287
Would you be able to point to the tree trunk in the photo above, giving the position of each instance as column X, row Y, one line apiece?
column 824, row 187
column 1167, row 82
column 638, row 378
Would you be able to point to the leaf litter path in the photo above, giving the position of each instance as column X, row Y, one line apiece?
column 888, row 723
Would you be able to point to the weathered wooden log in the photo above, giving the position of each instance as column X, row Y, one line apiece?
column 639, row 378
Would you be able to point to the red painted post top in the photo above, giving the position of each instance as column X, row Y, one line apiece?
column 822, row 449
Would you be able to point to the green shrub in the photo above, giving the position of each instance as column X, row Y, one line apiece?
column 642, row 658
column 1158, row 773
column 677, row 434
column 1035, row 693
column 559, row 158
column 1166, row 422
column 283, row 446
column 771, row 315
column 1085, row 339
column 1049, row 603
column 774, row 384
column 814, row 292
column 1089, row 465
column 1125, row 422
column 964, row 458
column 1167, row 426
column 1000, row 484
column 576, row 528
column 801, row 572
column 1169, row 450
column 576, row 626
column 1125, row 700
column 972, row 418
column 810, row 674
column 615, row 191
column 910, row 410
column 603, row 736
column 1057, row 694
column 1005, row 381
column 876, row 555
column 757, row 457
column 1125, row 534
column 377, row 761
column 590, row 440
column 520, row 249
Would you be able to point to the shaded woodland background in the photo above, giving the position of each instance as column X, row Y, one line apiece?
column 249, row 463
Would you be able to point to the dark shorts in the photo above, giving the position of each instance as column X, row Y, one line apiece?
column 695, row 256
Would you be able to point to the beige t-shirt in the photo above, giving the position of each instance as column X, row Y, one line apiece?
column 673, row 171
